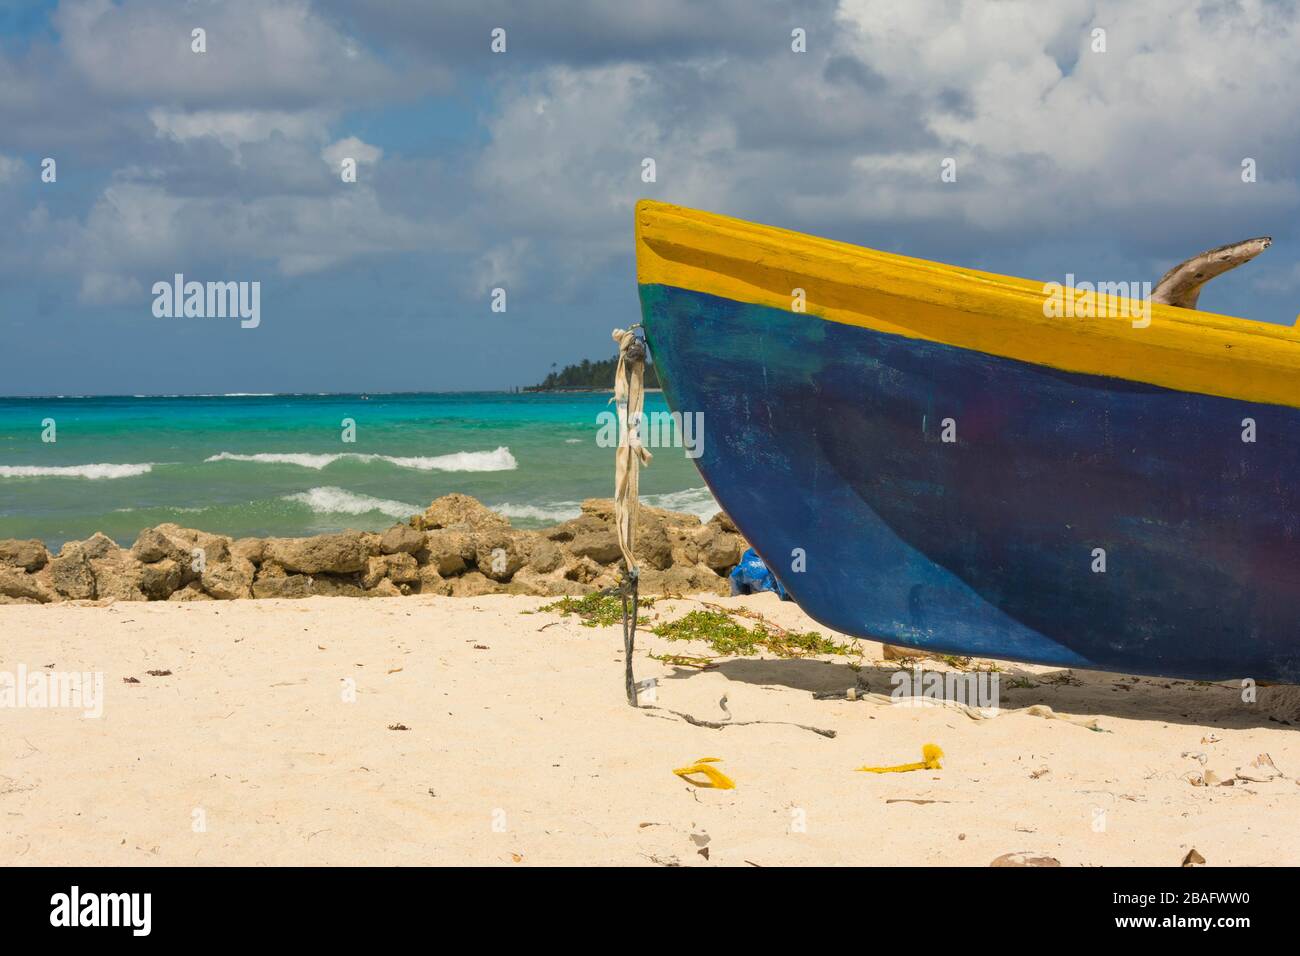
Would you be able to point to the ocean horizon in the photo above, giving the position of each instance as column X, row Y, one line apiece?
column 280, row 464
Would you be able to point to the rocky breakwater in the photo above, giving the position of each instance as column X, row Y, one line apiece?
column 457, row 547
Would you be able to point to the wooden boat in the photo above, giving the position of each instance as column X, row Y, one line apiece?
column 924, row 456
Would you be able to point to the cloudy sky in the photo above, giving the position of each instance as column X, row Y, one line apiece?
column 520, row 169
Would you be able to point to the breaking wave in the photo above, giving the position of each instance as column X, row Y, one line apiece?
column 549, row 513
column 696, row 501
column 329, row 500
column 498, row 460
column 93, row 472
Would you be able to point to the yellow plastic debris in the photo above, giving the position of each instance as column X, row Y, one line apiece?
column 930, row 755
column 717, row 779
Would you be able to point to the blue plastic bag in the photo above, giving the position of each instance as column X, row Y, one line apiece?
column 751, row 575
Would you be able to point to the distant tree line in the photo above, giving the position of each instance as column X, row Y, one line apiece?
column 589, row 374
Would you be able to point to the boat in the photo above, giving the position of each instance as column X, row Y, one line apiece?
column 933, row 457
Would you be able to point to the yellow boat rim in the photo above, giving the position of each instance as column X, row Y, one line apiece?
column 1175, row 348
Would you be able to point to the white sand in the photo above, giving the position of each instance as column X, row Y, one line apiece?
column 522, row 750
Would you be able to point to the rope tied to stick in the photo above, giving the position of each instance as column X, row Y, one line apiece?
column 629, row 397
column 629, row 456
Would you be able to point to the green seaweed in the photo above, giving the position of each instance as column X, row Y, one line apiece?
column 595, row 609
column 732, row 639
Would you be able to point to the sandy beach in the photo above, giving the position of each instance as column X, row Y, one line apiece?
column 248, row 746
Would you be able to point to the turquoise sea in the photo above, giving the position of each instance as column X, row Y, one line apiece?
column 278, row 464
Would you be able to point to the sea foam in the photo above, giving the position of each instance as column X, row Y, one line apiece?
column 550, row 513
column 329, row 500
column 498, row 460
column 696, row 501
column 93, row 472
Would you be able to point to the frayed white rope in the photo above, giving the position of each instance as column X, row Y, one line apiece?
column 629, row 394
column 629, row 398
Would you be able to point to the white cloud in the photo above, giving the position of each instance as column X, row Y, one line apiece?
column 11, row 168
column 99, row 288
column 351, row 148
column 1157, row 123
column 259, row 52
column 216, row 162
column 233, row 158
column 565, row 157
column 136, row 233
column 503, row 265
column 1131, row 148
column 232, row 128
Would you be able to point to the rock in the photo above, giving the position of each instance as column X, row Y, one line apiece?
column 473, row 584
column 603, row 509
column 401, row 538
column 685, row 549
column 250, row 549
column 455, row 537
column 544, row 556
column 562, row 532
column 593, row 534
column 71, row 574
column 583, row 571
column 702, row 578
column 450, row 552
column 431, row 582
column 403, row 568
column 170, row 542
column 591, row 538
column 400, row 568
column 529, row 581
column 159, row 579
column 99, row 546
column 340, row 553
column 385, row 588
column 154, row 545
column 337, row 585
column 191, row 592
column 229, row 580
column 15, row 583
column 28, row 555
column 719, row 549
column 723, row 521
column 708, row 580
column 683, row 579
column 651, row 545
column 376, row 570
column 117, row 577
column 282, row 586
column 460, row 512
column 215, row 548
column 500, row 553
column 270, row 569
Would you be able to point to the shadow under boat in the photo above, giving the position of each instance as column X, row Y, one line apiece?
column 1066, row 691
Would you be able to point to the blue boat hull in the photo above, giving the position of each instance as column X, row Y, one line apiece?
column 824, row 443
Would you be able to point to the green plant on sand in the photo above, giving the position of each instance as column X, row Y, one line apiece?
column 595, row 609
column 716, row 627
column 728, row 637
